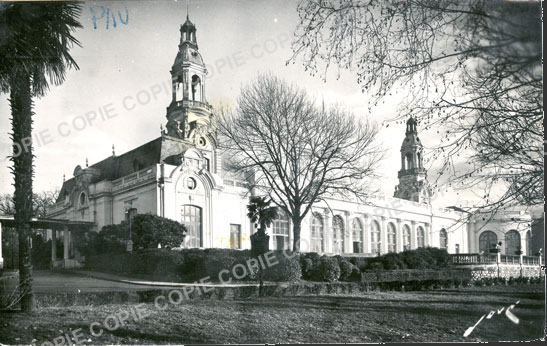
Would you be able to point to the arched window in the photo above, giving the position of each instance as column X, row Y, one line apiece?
column 443, row 239
column 406, row 237
column 391, row 238
column 191, row 218
column 487, row 241
column 357, row 235
column 178, row 89
column 512, row 242
column 280, row 231
column 317, row 234
column 409, row 164
column 337, row 234
column 420, row 237
column 375, row 237
column 196, row 88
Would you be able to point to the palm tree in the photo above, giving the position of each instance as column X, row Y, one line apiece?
column 34, row 50
column 260, row 212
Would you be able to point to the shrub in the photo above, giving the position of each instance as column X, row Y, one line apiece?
column 427, row 258
column 330, row 269
column 40, row 251
column 359, row 262
column 355, row 274
column 393, row 261
column 198, row 263
column 287, row 269
column 346, row 268
column 110, row 240
column 376, row 265
column 307, row 267
column 314, row 272
column 150, row 230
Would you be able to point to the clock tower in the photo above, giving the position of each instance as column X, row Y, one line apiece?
column 413, row 183
column 189, row 115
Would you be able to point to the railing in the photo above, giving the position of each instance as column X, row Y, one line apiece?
column 56, row 207
column 236, row 183
column 475, row 258
column 415, row 170
column 188, row 103
column 134, row 178
column 532, row 260
column 510, row 259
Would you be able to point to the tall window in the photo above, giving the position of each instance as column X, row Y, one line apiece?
column 317, row 232
column 528, row 244
column 420, row 237
column 443, row 239
column 178, row 89
column 196, row 88
column 357, row 235
column 487, row 241
column 191, row 218
column 406, row 237
column 337, row 234
column 130, row 214
column 280, row 231
column 375, row 237
column 235, row 236
column 512, row 242
column 391, row 238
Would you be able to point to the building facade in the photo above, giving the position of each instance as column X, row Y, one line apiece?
column 180, row 175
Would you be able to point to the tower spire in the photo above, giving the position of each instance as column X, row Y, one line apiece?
column 413, row 183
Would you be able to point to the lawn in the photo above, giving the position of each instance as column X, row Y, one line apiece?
column 426, row 316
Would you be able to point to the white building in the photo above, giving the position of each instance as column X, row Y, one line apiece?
column 179, row 175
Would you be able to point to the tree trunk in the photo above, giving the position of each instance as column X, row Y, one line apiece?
column 21, row 112
column 297, row 223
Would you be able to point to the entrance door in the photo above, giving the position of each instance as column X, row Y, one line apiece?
column 191, row 218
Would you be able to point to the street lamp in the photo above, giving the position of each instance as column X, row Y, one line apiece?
column 129, row 216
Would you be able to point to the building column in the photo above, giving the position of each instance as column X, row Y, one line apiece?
column 399, row 237
column 327, row 239
column 1, row 258
column 53, row 246
column 366, row 234
column 66, row 243
column 523, row 243
column 348, row 236
column 413, row 236
column 291, row 233
column 383, row 236
column 427, row 236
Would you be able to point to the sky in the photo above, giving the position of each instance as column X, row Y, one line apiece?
column 120, row 93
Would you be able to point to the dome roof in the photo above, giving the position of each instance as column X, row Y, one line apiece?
column 188, row 54
column 188, row 25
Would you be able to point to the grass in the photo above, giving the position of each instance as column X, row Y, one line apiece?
column 425, row 316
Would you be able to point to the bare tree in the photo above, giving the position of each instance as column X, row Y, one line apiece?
column 41, row 201
column 471, row 69
column 300, row 152
column 7, row 206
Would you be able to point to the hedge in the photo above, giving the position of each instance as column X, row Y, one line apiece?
column 413, row 269
column 190, row 265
